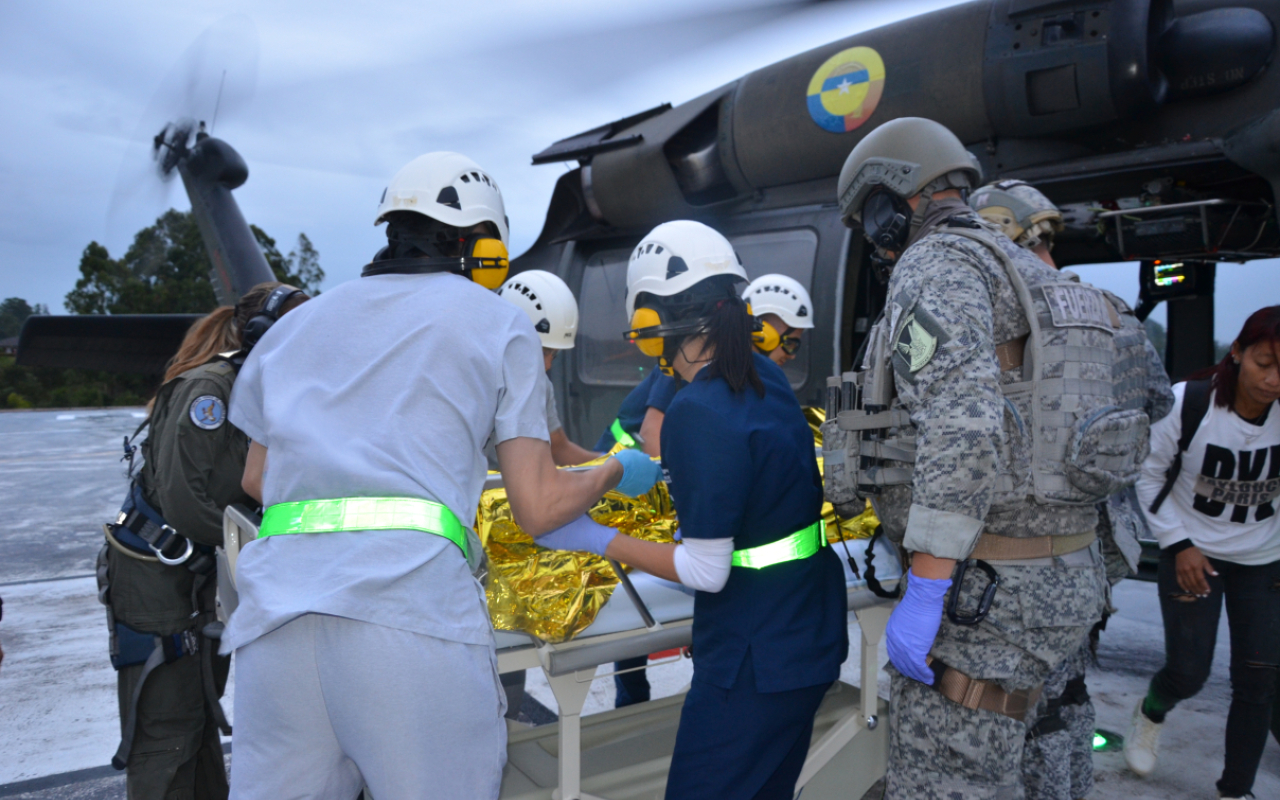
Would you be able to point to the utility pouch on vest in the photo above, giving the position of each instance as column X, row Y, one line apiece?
column 1107, row 451
column 868, row 441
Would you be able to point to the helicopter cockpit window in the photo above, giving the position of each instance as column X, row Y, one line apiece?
column 604, row 358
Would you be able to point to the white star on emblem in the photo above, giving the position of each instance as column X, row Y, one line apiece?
column 844, row 85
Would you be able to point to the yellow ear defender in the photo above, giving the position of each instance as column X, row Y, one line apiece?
column 767, row 338
column 646, row 317
column 488, row 257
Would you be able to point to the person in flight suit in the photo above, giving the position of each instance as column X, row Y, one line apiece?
column 998, row 362
column 1057, row 762
column 769, row 620
column 364, row 649
column 169, row 679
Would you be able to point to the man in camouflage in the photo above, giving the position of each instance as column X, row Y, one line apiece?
column 1019, row 541
column 1057, row 761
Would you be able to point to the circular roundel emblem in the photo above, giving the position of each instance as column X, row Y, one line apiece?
column 846, row 89
column 208, row 412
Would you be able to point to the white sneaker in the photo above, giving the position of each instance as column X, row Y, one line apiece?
column 1142, row 743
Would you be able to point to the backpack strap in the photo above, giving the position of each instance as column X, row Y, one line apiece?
column 1195, row 404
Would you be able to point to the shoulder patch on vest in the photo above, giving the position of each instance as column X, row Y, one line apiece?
column 918, row 338
column 208, row 412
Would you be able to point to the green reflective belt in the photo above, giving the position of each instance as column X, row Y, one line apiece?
column 797, row 546
column 620, row 436
column 364, row 514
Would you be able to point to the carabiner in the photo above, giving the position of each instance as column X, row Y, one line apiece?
column 168, row 534
column 988, row 594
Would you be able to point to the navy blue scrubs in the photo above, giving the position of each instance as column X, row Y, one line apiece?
column 655, row 391
column 770, row 643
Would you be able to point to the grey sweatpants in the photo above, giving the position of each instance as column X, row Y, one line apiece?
column 325, row 705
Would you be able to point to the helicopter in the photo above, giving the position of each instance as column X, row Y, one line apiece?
column 1152, row 124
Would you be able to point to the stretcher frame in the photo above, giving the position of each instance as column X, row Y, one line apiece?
column 570, row 668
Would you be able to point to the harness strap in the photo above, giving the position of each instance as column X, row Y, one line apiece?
column 799, row 545
column 982, row 695
column 1006, row 548
column 621, row 436
column 165, row 650
column 364, row 514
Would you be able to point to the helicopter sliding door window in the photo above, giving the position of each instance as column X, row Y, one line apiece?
column 603, row 357
column 791, row 253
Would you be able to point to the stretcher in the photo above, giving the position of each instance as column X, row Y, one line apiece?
column 625, row 753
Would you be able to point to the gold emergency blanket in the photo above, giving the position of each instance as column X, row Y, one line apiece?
column 554, row 594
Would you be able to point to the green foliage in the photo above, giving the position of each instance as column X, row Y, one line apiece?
column 13, row 312
column 166, row 271
column 38, row 387
column 1156, row 333
column 301, row 268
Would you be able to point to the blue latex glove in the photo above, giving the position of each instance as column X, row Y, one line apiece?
column 584, row 534
column 913, row 626
column 639, row 472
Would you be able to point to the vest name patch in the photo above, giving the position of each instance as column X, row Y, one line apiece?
column 1074, row 306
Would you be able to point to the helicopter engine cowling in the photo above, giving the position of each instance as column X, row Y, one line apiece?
column 216, row 161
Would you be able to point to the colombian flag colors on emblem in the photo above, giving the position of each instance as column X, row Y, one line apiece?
column 846, row 88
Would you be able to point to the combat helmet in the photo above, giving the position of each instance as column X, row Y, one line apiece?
column 901, row 158
column 1024, row 214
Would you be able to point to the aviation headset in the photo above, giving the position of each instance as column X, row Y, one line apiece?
column 886, row 220
column 267, row 316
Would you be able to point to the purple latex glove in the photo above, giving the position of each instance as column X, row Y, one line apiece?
column 582, row 534
column 913, row 626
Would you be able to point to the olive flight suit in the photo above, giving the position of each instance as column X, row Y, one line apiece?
column 194, row 463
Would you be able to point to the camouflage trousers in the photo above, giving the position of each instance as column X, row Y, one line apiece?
column 1057, row 760
column 1040, row 615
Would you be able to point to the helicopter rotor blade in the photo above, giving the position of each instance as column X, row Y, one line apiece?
column 217, row 73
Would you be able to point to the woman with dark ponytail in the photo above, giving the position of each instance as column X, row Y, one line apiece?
column 1211, row 485
column 769, row 621
column 160, row 581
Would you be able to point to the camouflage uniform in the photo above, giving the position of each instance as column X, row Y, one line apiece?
column 951, row 303
column 1057, row 762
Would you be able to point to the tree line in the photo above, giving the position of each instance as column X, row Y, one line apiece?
column 164, row 271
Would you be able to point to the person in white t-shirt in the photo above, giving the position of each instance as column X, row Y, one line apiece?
column 1213, row 510
column 364, row 649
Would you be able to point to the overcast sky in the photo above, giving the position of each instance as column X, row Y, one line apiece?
column 327, row 100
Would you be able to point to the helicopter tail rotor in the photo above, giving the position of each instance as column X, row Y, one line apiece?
column 171, row 145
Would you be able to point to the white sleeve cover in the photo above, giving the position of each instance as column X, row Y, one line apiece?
column 704, row 564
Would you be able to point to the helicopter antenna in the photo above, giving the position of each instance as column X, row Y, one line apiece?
column 218, row 102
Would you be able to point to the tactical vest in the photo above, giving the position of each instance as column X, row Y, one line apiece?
column 1074, row 430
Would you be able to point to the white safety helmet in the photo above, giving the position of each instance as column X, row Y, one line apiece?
column 781, row 295
column 548, row 302
column 677, row 255
column 448, row 187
